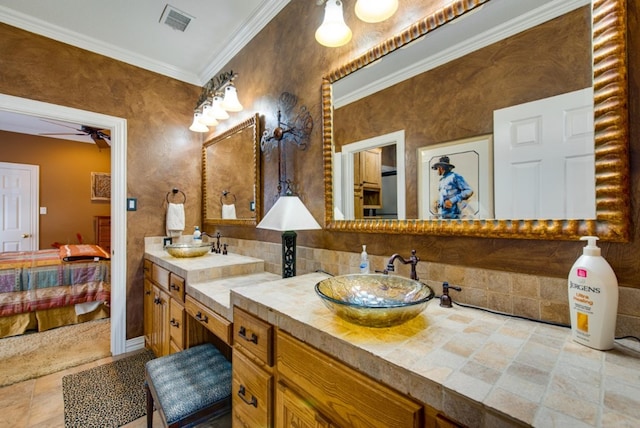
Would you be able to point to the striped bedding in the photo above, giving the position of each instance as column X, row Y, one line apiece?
column 31, row 281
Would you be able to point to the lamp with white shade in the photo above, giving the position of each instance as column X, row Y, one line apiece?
column 287, row 215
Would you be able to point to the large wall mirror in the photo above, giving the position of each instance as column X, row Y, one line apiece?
column 231, row 176
column 526, row 100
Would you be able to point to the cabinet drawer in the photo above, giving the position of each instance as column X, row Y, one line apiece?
column 356, row 400
column 252, row 395
column 176, row 286
column 213, row 322
column 146, row 267
column 176, row 323
column 254, row 335
column 160, row 276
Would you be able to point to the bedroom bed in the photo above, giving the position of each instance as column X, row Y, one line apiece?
column 44, row 289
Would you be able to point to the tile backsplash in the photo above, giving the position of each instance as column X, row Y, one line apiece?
column 530, row 296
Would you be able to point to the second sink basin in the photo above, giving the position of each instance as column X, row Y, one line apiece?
column 188, row 249
column 374, row 300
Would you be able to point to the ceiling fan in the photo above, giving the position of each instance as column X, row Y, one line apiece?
column 101, row 137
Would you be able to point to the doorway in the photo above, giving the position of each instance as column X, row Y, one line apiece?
column 118, row 127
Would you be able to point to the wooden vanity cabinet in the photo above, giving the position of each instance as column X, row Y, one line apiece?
column 340, row 394
column 164, row 313
column 253, row 372
column 367, row 191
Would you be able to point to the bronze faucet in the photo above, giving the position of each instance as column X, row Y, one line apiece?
column 215, row 248
column 413, row 260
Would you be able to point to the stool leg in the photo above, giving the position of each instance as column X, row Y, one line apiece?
column 149, row 406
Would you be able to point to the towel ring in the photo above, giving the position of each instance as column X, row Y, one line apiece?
column 176, row 191
column 224, row 195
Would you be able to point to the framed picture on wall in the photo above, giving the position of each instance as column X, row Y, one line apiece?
column 100, row 186
column 472, row 159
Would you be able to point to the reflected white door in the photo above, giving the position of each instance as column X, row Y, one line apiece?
column 544, row 158
column 19, row 201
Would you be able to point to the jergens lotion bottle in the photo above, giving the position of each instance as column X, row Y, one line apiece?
column 593, row 298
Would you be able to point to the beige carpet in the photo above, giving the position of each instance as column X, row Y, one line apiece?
column 38, row 354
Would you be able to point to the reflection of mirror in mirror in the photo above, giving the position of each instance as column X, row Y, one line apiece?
column 230, row 175
column 482, row 66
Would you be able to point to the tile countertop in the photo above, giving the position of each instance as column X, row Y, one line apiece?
column 481, row 369
column 205, row 268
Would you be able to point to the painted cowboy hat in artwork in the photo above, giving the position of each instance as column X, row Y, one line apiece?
column 443, row 162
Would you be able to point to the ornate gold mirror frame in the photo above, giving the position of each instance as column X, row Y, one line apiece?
column 231, row 170
column 611, row 140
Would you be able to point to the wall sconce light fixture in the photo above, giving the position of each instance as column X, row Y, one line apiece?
column 333, row 31
column 218, row 97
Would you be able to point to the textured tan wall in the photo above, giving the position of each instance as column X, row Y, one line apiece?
column 163, row 154
column 65, row 183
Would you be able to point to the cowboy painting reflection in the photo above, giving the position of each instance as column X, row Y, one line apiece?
column 453, row 191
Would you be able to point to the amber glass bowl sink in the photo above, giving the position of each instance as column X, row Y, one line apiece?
column 188, row 249
column 374, row 300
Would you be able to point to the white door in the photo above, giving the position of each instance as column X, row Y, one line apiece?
column 18, row 215
column 544, row 158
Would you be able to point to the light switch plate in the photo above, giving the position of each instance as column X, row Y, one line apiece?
column 132, row 204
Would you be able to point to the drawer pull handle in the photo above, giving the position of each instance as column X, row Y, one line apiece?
column 242, row 393
column 147, row 292
column 174, row 323
column 157, row 300
column 175, row 287
column 200, row 317
column 242, row 332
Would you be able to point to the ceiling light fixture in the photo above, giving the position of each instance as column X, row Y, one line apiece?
column 334, row 32
column 375, row 10
column 218, row 97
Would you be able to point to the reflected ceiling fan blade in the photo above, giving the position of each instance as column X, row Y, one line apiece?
column 101, row 143
column 61, row 124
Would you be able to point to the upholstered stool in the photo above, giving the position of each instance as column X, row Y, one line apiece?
column 189, row 386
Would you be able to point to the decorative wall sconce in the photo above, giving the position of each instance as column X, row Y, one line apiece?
column 218, row 97
column 294, row 128
column 288, row 214
column 334, row 32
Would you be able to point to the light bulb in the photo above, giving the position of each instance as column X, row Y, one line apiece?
column 216, row 109
column 197, row 125
column 375, row 10
column 230, row 101
column 207, row 116
column 333, row 32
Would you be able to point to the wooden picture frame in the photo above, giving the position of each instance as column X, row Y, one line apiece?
column 100, row 186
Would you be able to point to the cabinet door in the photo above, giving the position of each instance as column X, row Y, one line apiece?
column 294, row 411
column 252, row 396
column 176, row 325
column 148, row 311
column 160, row 330
column 371, row 167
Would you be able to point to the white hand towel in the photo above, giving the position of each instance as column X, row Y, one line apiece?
column 175, row 219
column 228, row 211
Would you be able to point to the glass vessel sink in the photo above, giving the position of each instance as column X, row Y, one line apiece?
column 374, row 300
column 188, row 249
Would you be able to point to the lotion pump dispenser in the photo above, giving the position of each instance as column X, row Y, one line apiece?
column 364, row 260
column 593, row 298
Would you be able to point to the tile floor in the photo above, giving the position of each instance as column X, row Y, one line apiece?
column 38, row 403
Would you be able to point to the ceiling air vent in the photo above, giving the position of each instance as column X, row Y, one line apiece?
column 175, row 18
